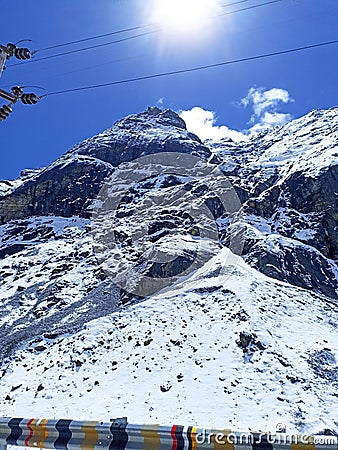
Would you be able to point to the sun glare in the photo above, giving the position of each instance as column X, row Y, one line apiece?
column 184, row 16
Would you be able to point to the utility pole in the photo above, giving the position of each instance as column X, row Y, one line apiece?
column 16, row 93
column 10, row 50
column 3, row 57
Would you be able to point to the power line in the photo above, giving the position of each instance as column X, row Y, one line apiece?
column 195, row 69
column 137, row 35
column 41, row 81
column 235, row 3
column 108, row 62
column 124, row 30
column 251, row 7
column 87, row 48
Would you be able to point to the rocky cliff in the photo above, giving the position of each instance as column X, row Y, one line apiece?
column 286, row 180
column 68, row 186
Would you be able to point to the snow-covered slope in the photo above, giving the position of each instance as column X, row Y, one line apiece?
column 307, row 144
column 8, row 186
column 181, row 358
column 287, row 179
column 50, row 280
column 240, row 341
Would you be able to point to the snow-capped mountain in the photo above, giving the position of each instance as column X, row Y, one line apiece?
column 243, row 334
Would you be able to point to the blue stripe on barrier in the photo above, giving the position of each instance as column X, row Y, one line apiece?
column 120, row 437
column 65, row 434
column 16, row 431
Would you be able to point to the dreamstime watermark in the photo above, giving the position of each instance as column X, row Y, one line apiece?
column 155, row 221
column 250, row 438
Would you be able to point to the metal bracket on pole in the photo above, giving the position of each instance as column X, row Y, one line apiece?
column 3, row 57
column 10, row 97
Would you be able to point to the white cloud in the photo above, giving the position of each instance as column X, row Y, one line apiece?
column 269, row 120
column 202, row 122
column 160, row 101
column 265, row 104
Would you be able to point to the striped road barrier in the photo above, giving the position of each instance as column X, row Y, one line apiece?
column 118, row 434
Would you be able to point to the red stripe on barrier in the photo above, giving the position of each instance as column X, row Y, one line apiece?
column 174, row 438
column 30, row 432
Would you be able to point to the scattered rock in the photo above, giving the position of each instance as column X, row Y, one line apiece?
column 51, row 336
column 245, row 339
column 293, row 379
column 40, row 348
column 249, row 342
column 165, row 387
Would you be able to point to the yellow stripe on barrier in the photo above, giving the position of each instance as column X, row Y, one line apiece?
column 193, row 438
column 220, row 440
column 151, row 436
column 90, row 436
column 41, row 432
column 308, row 443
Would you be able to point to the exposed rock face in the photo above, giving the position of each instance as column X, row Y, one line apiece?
column 69, row 185
column 153, row 131
column 289, row 180
column 286, row 179
column 295, row 263
column 65, row 189
column 314, row 198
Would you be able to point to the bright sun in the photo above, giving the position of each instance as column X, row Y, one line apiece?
column 184, row 16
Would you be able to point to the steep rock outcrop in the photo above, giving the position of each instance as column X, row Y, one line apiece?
column 290, row 178
column 69, row 185
column 286, row 179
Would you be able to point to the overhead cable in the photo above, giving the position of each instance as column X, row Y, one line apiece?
column 124, row 30
column 133, row 36
column 195, row 69
column 90, row 47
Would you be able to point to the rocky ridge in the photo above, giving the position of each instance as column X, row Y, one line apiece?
column 69, row 185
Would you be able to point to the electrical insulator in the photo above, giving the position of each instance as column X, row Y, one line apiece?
column 10, row 49
column 5, row 112
column 22, row 53
column 29, row 99
column 17, row 91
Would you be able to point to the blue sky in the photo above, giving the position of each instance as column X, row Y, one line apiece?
column 236, row 97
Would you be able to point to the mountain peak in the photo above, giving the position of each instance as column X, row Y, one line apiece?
column 152, row 117
column 69, row 185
